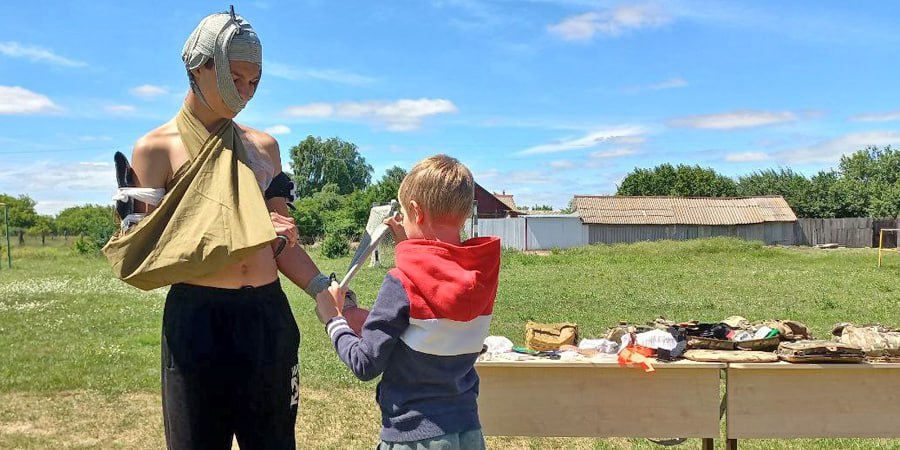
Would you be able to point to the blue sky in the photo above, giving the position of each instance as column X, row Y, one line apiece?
column 541, row 98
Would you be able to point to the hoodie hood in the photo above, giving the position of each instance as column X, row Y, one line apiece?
column 446, row 281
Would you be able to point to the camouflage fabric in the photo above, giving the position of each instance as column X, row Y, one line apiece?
column 550, row 336
column 819, row 351
column 789, row 330
column 730, row 356
column 615, row 333
column 765, row 345
column 872, row 340
column 696, row 342
column 737, row 323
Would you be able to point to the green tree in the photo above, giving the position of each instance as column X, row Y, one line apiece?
column 870, row 182
column 794, row 187
column 826, row 197
column 21, row 214
column 321, row 212
column 94, row 223
column 316, row 163
column 44, row 225
column 388, row 186
column 542, row 208
column 680, row 181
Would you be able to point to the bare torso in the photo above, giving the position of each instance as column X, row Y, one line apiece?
column 156, row 159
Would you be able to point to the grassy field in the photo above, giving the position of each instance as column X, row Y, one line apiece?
column 79, row 365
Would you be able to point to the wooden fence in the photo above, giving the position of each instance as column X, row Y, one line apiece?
column 851, row 232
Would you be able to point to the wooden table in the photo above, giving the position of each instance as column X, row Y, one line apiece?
column 600, row 399
column 784, row 400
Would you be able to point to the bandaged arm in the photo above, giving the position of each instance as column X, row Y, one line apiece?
column 294, row 263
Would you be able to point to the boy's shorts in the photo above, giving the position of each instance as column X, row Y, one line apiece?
column 467, row 440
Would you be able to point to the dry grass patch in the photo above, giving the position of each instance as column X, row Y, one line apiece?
column 80, row 419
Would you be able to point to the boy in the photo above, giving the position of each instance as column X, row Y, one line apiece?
column 431, row 317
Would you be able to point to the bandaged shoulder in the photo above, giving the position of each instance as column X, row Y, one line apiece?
column 281, row 186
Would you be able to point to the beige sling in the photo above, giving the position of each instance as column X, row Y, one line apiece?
column 212, row 216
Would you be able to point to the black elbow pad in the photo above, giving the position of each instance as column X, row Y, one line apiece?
column 281, row 186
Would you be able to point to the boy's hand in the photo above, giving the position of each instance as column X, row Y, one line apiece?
column 396, row 225
column 330, row 302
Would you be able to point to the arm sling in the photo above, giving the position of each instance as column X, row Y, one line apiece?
column 212, row 216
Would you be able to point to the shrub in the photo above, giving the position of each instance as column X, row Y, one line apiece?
column 335, row 245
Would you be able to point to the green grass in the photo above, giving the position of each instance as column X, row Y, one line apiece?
column 69, row 330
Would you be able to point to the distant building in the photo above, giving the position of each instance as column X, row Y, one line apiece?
column 623, row 219
column 494, row 206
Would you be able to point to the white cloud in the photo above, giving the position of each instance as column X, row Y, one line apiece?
column 529, row 177
column 49, row 177
column 889, row 116
column 148, row 91
column 614, row 22
column 617, row 153
column 289, row 72
column 56, row 185
column 672, row 83
column 278, row 129
column 830, row 151
column 562, row 164
column 16, row 100
column 53, row 207
column 734, row 119
column 399, row 115
column 37, row 54
column 313, row 110
column 747, row 157
column 630, row 140
column 587, row 141
column 537, row 187
column 120, row 109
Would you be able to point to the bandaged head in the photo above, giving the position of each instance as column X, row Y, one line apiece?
column 224, row 37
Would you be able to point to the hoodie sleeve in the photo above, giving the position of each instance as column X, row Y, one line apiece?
column 367, row 356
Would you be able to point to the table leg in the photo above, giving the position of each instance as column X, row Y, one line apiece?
column 731, row 444
column 707, row 444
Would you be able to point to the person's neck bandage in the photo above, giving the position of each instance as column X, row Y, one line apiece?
column 223, row 38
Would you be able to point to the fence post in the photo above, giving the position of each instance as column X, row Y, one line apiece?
column 8, row 250
column 474, row 232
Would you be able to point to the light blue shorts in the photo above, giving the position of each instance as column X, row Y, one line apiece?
column 467, row 440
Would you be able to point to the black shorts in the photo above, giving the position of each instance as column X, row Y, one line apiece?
column 229, row 368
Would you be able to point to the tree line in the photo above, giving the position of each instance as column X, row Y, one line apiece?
column 335, row 192
column 332, row 180
column 865, row 184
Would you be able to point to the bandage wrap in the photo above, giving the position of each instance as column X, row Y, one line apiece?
column 318, row 284
column 223, row 38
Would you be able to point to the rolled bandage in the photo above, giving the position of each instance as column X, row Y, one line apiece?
column 319, row 283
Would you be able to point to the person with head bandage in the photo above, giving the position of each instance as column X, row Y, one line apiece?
column 207, row 202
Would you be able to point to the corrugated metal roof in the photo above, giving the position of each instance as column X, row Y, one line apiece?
column 621, row 210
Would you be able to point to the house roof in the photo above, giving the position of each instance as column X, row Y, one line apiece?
column 507, row 200
column 623, row 210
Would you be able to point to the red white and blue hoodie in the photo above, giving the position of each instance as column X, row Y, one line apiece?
column 424, row 333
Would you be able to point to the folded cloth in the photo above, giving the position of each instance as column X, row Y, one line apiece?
column 213, row 214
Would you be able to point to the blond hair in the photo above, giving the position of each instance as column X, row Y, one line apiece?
column 442, row 186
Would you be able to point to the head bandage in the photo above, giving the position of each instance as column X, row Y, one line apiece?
column 224, row 37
